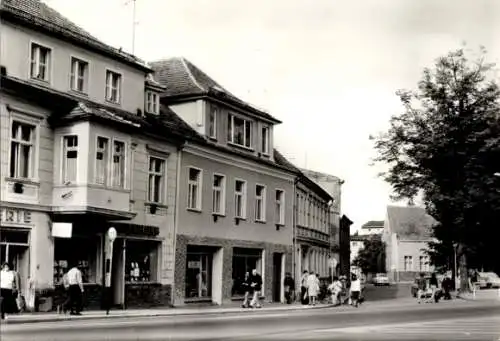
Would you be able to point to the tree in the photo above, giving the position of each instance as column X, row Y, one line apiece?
column 371, row 258
column 445, row 146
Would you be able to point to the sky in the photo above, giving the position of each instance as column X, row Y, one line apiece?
column 329, row 69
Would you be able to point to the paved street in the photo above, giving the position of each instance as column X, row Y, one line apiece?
column 458, row 320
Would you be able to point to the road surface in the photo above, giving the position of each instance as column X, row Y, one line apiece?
column 444, row 321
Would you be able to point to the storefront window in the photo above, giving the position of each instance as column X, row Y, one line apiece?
column 142, row 261
column 244, row 260
column 198, row 273
column 80, row 250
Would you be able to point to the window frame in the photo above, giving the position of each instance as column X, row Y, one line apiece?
column 262, row 199
column 63, row 158
column 212, row 113
column 49, row 66
column 106, row 161
column 86, row 76
column 155, row 103
column 281, row 218
column 265, row 150
column 125, row 162
column 222, row 190
column 410, row 263
column 163, row 191
column 243, row 194
column 199, row 192
column 34, row 148
column 246, row 121
column 119, row 87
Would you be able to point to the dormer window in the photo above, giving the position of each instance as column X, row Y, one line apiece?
column 152, row 102
column 240, row 131
column 113, row 86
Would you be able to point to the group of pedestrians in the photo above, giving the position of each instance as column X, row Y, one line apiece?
column 252, row 285
column 342, row 293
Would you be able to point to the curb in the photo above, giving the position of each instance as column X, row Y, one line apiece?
column 152, row 314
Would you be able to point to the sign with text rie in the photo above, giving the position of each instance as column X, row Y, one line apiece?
column 15, row 216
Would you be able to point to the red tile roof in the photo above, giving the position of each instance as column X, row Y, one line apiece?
column 41, row 17
column 184, row 79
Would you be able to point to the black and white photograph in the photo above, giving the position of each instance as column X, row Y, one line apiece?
column 249, row 170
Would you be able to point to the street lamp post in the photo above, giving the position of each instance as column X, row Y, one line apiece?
column 110, row 238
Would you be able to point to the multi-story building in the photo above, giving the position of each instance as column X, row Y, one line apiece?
column 372, row 227
column 407, row 233
column 235, row 202
column 84, row 146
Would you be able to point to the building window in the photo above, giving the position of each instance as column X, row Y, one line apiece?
column 240, row 131
column 79, row 75
column 142, row 261
column 113, row 86
column 40, row 62
column 101, row 160
column 198, row 272
column 219, row 194
column 212, row 123
column 265, row 140
column 70, row 158
column 240, row 199
column 408, row 263
column 152, row 102
column 156, row 179
column 194, row 189
column 244, row 261
column 22, row 150
column 424, row 263
column 118, row 164
column 260, row 203
column 280, row 207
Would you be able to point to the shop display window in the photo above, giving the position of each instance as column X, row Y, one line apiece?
column 244, row 260
column 142, row 261
column 198, row 275
column 82, row 251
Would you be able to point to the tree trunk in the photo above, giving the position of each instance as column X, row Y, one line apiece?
column 464, row 274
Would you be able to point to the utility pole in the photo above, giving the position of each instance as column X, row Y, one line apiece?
column 134, row 22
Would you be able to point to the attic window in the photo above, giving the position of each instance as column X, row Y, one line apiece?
column 152, row 102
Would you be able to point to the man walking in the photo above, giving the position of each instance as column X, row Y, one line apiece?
column 422, row 287
column 256, row 284
column 289, row 284
column 75, row 290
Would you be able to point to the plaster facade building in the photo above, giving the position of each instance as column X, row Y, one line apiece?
column 235, row 208
column 84, row 146
column 407, row 232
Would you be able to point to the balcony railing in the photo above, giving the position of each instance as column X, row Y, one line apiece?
column 306, row 233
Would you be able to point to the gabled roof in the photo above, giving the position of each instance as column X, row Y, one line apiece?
column 373, row 224
column 40, row 17
column 410, row 222
column 282, row 160
column 185, row 80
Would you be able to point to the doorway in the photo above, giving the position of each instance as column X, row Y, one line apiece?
column 277, row 275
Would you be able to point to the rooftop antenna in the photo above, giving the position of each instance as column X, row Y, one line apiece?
column 134, row 22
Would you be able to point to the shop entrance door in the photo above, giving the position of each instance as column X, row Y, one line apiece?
column 277, row 276
column 14, row 249
column 199, row 274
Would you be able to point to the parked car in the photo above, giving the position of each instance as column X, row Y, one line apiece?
column 428, row 292
column 490, row 279
column 380, row 279
column 482, row 281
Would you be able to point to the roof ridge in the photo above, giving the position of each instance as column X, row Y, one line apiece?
column 190, row 74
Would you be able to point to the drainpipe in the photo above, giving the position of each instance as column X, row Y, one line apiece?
column 294, row 228
column 176, row 215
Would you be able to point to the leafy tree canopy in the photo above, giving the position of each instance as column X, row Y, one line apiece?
column 371, row 258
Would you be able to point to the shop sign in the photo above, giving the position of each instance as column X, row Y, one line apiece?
column 194, row 264
column 62, row 230
column 15, row 216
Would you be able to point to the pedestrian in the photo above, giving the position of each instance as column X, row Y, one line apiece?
column 473, row 281
column 304, row 298
column 245, row 286
column 256, row 284
column 289, row 285
column 447, row 286
column 355, row 290
column 312, row 287
column 7, row 291
column 67, row 301
column 335, row 289
column 421, row 287
column 433, row 284
column 75, row 290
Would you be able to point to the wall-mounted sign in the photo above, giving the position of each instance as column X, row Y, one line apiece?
column 62, row 230
column 194, row 264
column 15, row 216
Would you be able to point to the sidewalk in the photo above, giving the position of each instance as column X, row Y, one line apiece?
column 130, row 313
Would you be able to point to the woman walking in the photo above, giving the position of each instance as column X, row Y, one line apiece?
column 312, row 288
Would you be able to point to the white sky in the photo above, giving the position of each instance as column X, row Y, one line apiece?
column 327, row 68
